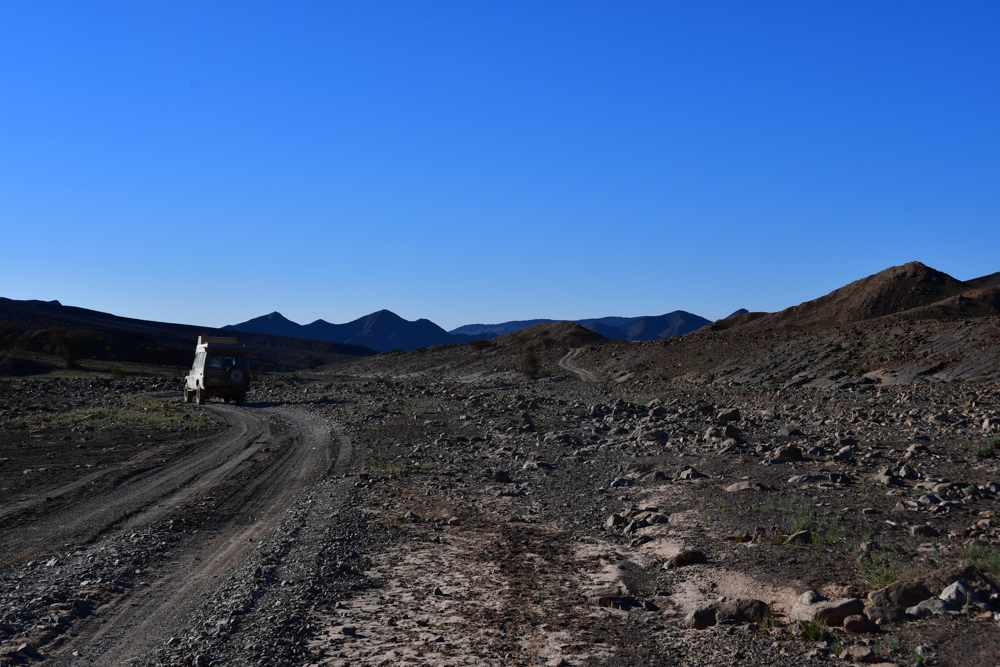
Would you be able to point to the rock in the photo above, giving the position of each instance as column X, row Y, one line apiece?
column 886, row 615
column 932, row 605
column 557, row 662
column 620, row 482
column 29, row 651
column 804, row 479
column 844, row 454
column 454, row 521
column 691, row 473
column 729, row 415
column 348, row 631
column 789, row 453
column 959, row 593
column 686, row 557
column 731, row 431
column 924, row 530
column 812, row 606
column 702, row 618
column 858, row 654
column 742, row 610
column 501, row 476
column 614, row 521
column 658, row 476
column 744, row 485
column 411, row 516
column 730, row 612
column 801, row 537
column 789, row 432
column 858, row 624
column 900, row 594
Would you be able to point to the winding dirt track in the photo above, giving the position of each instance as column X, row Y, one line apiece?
column 148, row 615
column 564, row 363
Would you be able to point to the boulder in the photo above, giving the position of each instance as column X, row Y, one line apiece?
column 860, row 624
column 959, row 593
column 886, row 615
column 742, row 610
column 686, row 557
column 813, row 607
column 789, row 453
column 900, row 594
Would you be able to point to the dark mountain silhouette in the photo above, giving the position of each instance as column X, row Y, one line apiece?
column 36, row 326
column 741, row 311
column 676, row 323
column 382, row 330
column 499, row 328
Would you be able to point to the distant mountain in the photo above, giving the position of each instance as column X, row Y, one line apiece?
column 741, row 311
column 382, row 331
column 499, row 329
column 676, row 323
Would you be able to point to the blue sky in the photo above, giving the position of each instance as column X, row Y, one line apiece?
column 471, row 162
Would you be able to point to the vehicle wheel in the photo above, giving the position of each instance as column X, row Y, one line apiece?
column 236, row 375
column 186, row 396
column 199, row 397
column 241, row 398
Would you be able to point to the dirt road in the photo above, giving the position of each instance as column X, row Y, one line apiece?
column 564, row 362
column 249, row 475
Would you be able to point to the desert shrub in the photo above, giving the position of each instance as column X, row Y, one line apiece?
column 530, row 365
column 985, row 452
column 118, row 372
column 480, row 345
column 72, row 345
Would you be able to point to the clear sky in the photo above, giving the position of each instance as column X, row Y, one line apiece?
column 209, row 162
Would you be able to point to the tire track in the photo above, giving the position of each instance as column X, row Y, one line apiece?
column 136, row 623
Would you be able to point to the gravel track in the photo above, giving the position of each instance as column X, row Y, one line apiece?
column 142, row 619
column 565, row 363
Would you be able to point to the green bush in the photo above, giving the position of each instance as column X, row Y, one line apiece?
column 986, row 452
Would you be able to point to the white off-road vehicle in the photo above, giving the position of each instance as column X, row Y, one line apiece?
column 220, row 369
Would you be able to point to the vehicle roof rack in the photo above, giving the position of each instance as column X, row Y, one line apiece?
column 217, row 340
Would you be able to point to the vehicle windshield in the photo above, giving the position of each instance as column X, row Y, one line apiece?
column 224, row 361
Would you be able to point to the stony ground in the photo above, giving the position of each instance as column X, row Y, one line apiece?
column 501, row 520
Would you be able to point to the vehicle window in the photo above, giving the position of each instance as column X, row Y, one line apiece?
column 215, row 361
column 230, row 360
